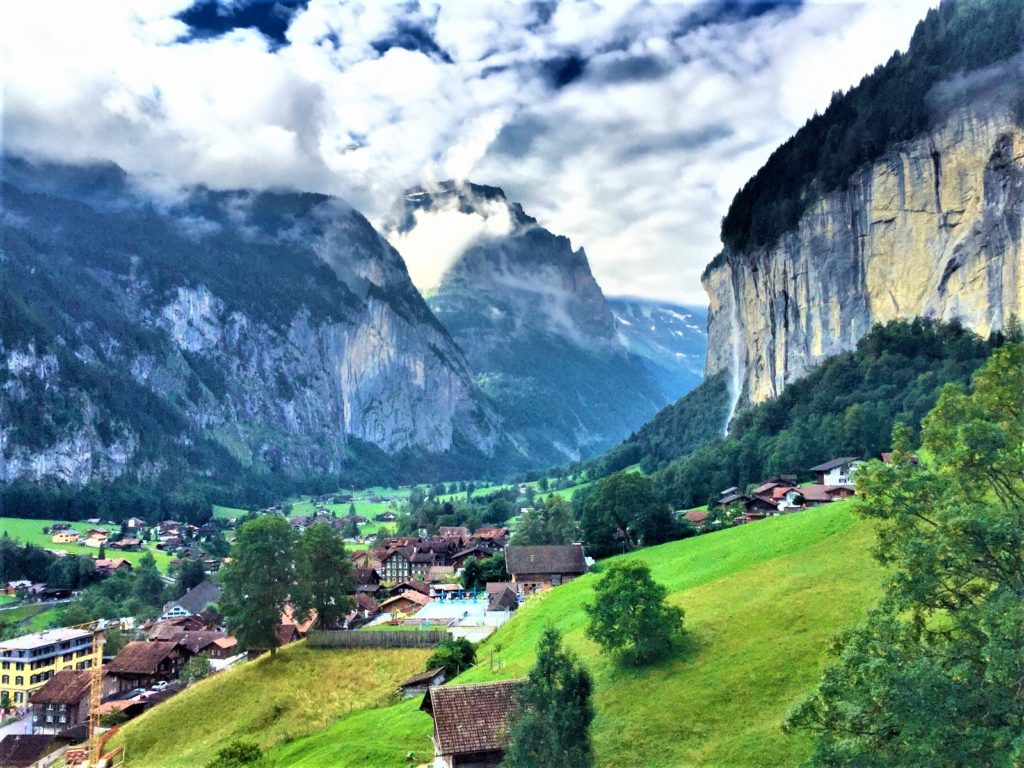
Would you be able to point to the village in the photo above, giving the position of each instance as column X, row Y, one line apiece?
column 60, row 691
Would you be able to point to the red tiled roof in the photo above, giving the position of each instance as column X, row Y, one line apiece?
column 696, row 515
column 471, row 718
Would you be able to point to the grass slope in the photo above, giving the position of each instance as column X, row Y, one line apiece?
column 31, row 532
column 761, row 602
column 271, row 701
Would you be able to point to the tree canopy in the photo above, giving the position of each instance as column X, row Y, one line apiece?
column 555, row 711
column 259, row 581
column 933, row 678
column 325, row 574
column 630, row 616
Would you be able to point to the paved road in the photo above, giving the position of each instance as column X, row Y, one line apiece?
column 45, row 604
column 18, row 726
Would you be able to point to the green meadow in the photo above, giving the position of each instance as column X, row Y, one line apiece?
column 761, row 602
column 31, row 532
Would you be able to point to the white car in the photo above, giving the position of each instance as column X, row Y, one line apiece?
column 159, row 686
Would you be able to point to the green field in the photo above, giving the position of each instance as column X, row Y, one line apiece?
column 31, row 532
column 761, row 602
column 28, row 618
column 271, row 701
column 227, row 513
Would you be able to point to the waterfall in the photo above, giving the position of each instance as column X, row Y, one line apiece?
column 736, row 374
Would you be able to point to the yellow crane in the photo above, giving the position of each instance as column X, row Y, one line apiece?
column 95, row 690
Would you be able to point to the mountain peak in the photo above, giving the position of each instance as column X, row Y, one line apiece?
column 463, row 196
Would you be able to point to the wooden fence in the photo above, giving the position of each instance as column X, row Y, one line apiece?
column 340, row 638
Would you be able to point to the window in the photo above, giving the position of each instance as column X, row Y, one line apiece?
column 5, row 679
column 63, row 719
column 19, row 680
column 18, row 697
column 20, row 666
column 49, row 718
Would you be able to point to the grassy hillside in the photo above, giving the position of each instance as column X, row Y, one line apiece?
column 271, row 701
column 761, row 602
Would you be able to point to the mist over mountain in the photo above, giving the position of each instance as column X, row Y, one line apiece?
column 220, row 334
column 537, row 330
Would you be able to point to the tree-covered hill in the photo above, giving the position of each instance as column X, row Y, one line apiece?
column 847, row 406
column 893, row 103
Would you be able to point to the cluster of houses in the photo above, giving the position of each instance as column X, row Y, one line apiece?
column 782, row 494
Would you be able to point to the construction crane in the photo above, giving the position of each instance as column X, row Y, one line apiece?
column 95, row 690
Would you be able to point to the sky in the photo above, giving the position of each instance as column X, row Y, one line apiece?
column 626, row 125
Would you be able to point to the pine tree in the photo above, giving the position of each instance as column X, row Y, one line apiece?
column 555, row 711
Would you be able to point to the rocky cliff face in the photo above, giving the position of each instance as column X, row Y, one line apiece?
column 932, row 229
column 539, row 333
column 274, row 332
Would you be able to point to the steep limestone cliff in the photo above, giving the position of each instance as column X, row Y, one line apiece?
column 270, row 332
column 931, row 229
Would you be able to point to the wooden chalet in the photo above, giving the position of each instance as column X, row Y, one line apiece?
column 471, row 722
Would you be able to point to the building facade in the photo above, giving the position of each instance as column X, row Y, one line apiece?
column 27, row 662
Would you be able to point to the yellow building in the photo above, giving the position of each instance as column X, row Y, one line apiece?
column 64, row 537
column 27, row 662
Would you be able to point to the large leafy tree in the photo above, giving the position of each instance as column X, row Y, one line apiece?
column 555, row 711
column 620, row 505
column 629, row 615
column 935, row 676
column 259, row 581
column 325, row 574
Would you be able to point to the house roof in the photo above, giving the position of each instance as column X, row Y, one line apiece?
column 112, row 563
column 422, row 677
column 66, row 687
column 366, row 576
column 416, row 585
column 140, row 657
column 833, row 464
column 410, row 595
column 505, row 600
column 821, row 492
column 471, row 717
column 226, row 642
column 730, row 498
column 24, row 749
column 197, row 598
column 366, row 603
column 545, row 559
column 288, row 619
column 453, row 530
column 496, row 587
column 196, row 641
column 696, row 515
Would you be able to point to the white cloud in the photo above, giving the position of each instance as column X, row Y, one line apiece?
column 441, row 235
column 636, row 160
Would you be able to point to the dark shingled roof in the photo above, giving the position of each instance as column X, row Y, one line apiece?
column 833, row 464
column 472, row 717
column 66, row 687
column 140, row 657
column 200, row 596
column 422, row 677
column 22, row 749
column 545, row 559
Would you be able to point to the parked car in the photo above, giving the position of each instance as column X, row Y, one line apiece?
column 160, row 686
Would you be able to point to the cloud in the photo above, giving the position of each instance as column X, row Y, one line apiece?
column 626, row 125
column 442, row 233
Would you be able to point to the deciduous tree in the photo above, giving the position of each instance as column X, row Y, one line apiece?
column 259, row 581
column 325, row 575
column 934, row 677
column 629, row 615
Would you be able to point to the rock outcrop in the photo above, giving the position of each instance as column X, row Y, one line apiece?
column 932, row 229
column 538, row 332
column 273, row 332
